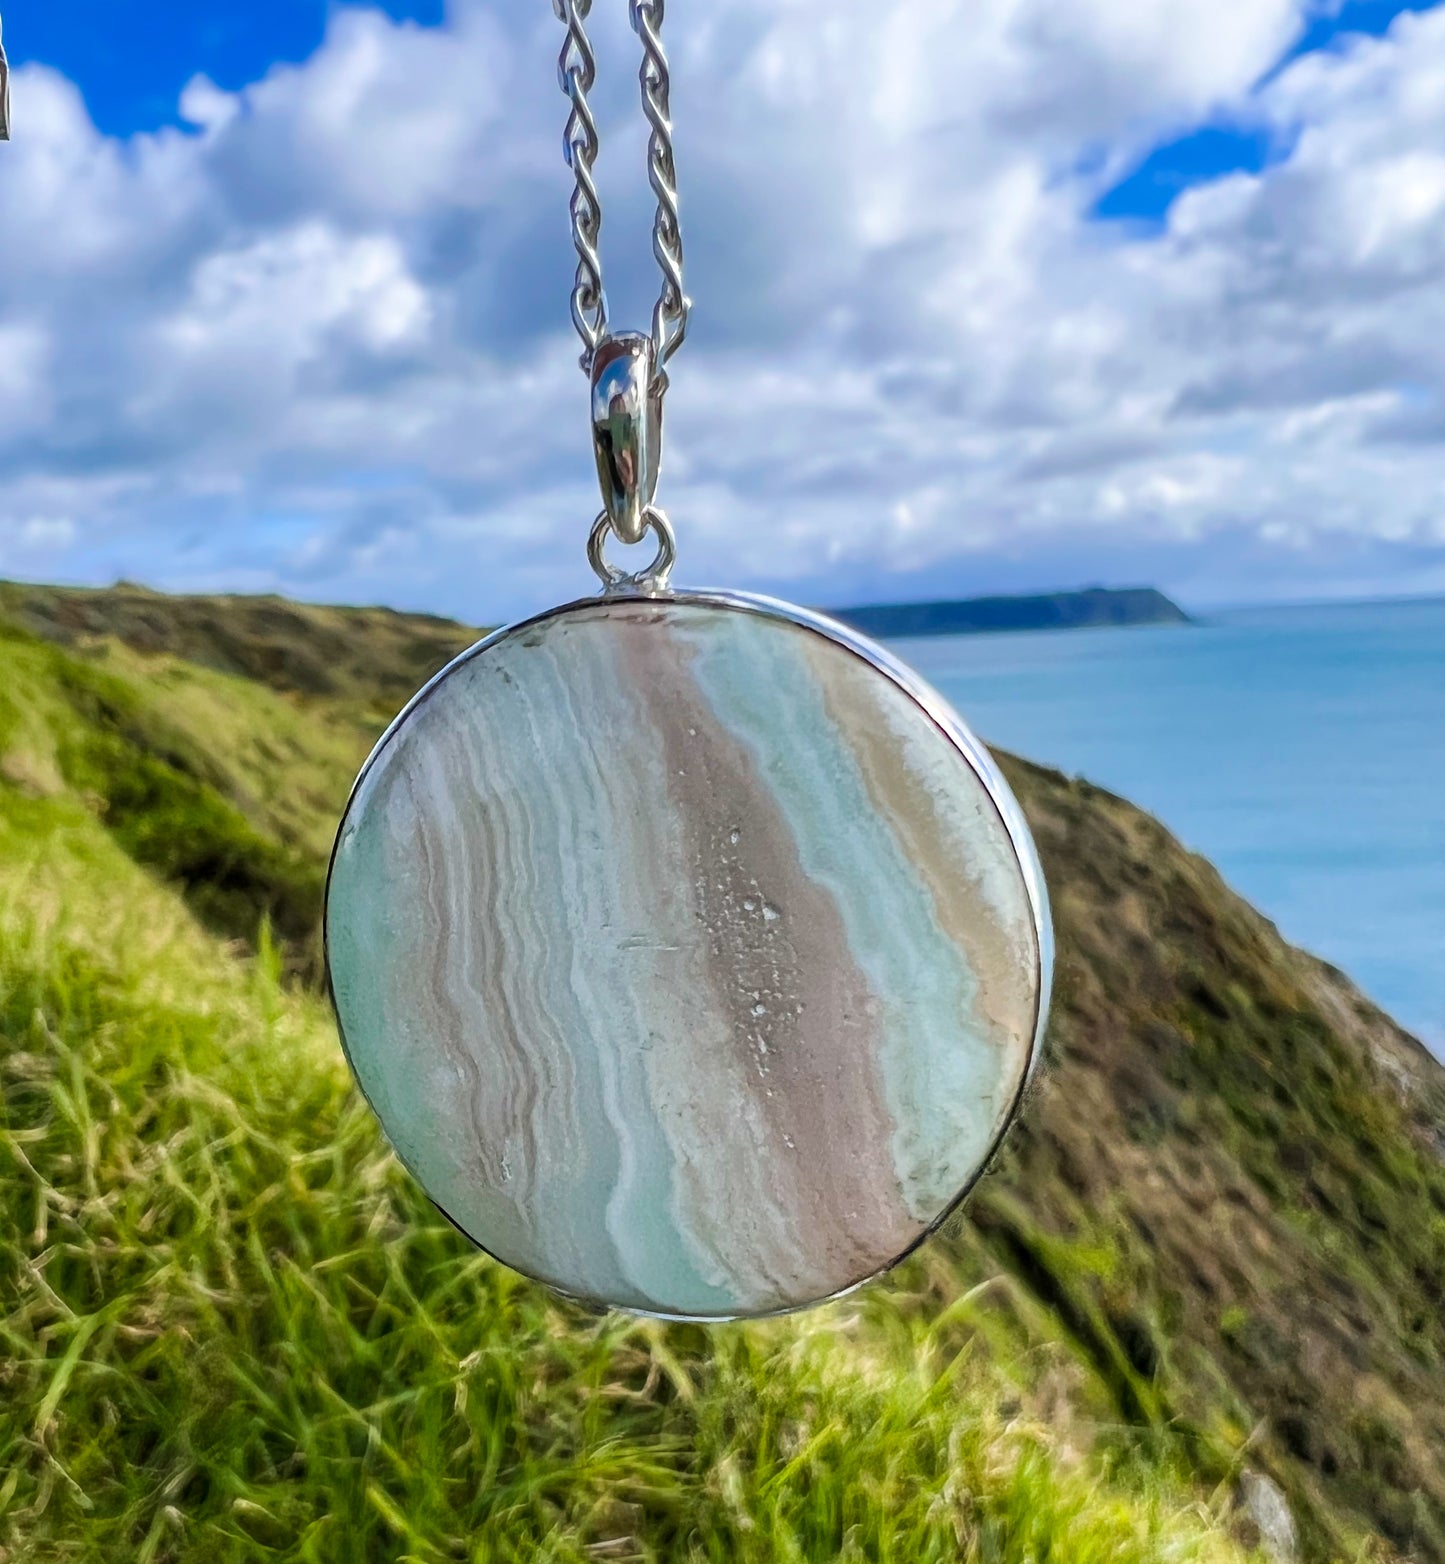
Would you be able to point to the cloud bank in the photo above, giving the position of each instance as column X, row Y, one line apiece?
column 317, row 342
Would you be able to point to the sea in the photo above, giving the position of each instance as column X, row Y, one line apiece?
column 1301, row 749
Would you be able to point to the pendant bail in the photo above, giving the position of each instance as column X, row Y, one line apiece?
column 627, row 429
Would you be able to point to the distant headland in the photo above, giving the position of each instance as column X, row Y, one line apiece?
column 1052, row 611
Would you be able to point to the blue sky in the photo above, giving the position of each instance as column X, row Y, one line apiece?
column 1207, row 151
column 1137, row 289
column 131, row 58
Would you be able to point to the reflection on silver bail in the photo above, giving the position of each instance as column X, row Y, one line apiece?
column 627, row 430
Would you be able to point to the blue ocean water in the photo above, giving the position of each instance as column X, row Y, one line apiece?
column 1302, row 750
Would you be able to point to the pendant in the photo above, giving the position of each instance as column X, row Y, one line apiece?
column 692, row 953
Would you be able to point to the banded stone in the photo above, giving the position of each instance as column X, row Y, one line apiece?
column 692, row 964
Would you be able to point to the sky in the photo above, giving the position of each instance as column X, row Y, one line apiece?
column 991, row 295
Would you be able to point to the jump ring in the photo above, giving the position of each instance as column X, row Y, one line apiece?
column 650, row 581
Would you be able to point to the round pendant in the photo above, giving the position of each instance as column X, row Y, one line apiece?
column 690, row 950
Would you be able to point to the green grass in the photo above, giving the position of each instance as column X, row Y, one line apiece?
column 231, row 1329
column 221, row 787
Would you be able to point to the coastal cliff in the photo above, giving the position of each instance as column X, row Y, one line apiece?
column 1092, row 609
column 1207, row 1267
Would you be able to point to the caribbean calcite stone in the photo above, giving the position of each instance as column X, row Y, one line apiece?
column 692, row 964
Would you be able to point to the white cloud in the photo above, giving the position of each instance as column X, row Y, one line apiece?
column 281, row 301
column 319, row 343
column 24, row 374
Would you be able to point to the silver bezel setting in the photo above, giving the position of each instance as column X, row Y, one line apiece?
column 944, row 718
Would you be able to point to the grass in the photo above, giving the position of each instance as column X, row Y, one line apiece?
column 231, row 1330
column 221, row 787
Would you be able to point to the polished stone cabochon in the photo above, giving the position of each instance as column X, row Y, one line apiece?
column 687, row 960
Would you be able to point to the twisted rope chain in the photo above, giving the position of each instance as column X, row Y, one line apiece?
column 577, row 74
column 670, row 315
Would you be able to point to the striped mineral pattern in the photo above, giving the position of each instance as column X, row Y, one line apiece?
column 687, row 962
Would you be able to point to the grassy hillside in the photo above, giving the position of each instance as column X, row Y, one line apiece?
column 230, row 1329
column 372, row 654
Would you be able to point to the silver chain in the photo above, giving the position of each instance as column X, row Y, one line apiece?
column 577, row 73
column 4, row 94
